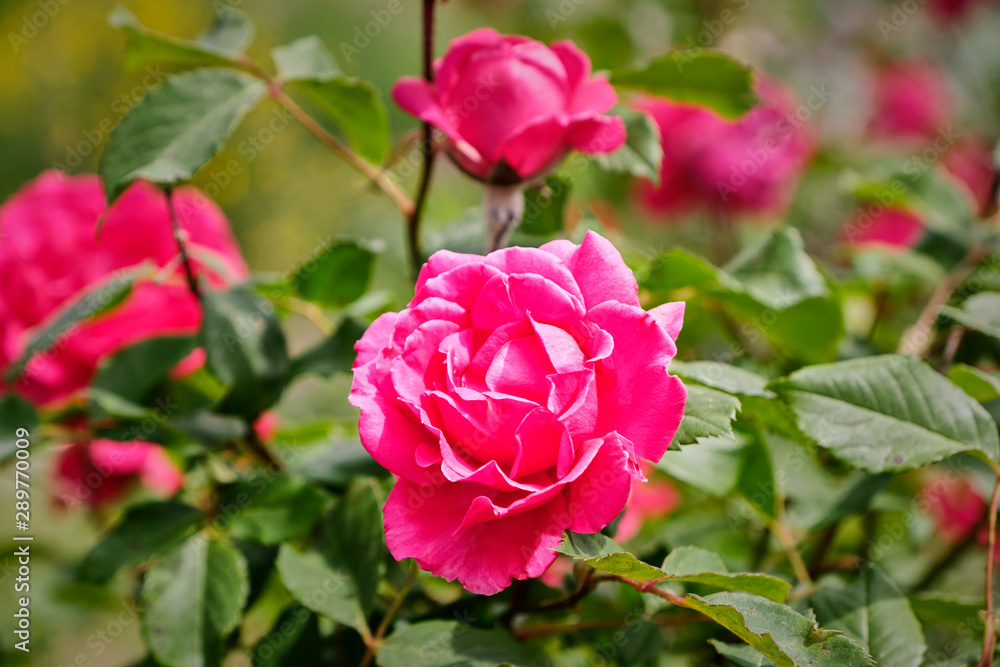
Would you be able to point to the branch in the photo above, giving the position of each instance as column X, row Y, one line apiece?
column 989, row 632
column 383, row 627
column 181, row 246
column 427, row 145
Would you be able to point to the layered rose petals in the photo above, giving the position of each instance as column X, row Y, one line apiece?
column 50, row 256
column 513, row 399
column 511, row 107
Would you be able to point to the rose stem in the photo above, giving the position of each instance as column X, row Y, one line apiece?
column 383, row 627
column 427, row 145
column 179, row 238
column 989, row 632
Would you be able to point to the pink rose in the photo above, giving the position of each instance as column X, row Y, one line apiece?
column 49, row 256
column 911, row 101
column 890, row 228
column 954, row 504
column 512, row 107
column 99, row 473
column 954, row 10
column 746, row 165
column 513, row 398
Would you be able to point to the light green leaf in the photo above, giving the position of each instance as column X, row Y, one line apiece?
column 703, row 76
column 642, row 152
column 602, row 553
column 334, row 354
column 336, row 276
column 980, row 385
column 677, row 269
column 230, row 33
column 888, row 413
column 873, row 612
column 353, row 539
column 741, row 655
column 306, row 58
column 319, row 586
column 980, row 312
column 781, row 634
column 245, row 348
column 724, row 377
column 145, row 531
column 192, row 600
column 172, row 132
column 777, row 272
column 714, row 466
column 144, row 46
column 452, row 644
column 707, row 413
column 545, row 208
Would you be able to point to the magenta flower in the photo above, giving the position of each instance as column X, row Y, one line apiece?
column 514, row 398
column 98, row 473
column 713, row 163
column 511, row 107
column 49, row 257
column 887, row 228
column 911, row 101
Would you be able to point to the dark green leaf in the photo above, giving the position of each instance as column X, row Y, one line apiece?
column 873, row 612
column 888, row 413
column 334, row 354
column 245, row 349
column 353, row 539
column 545, row 208
column 451, row 644
column 145, row 531
column 724, row 377
column 336, row 463
column 168, row 135
column 757, row 482
column 336, row 276
column 15, row 413
column 133, row 372
column 707, row 413
column 604, row 554
column 777, row 272
column 271, row 509
column 853, row 500
column 701, row 76
column 319, row 586
column 642, row 152
column 192, row 600
column 294, row 640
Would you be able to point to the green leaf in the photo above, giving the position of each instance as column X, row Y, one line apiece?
column 319, row 586
column 741, row 655
column 873, row 612
column 684, row 564
column 353, row 539
column 99, row 299
column 781, row 634
column 354, row 104
column 452, row 644
column 853, row 500
column 15, row 413
column 724, row 377
column 980, row 312
column 192, row 600
column 144, row 46
column 293, row 641
column 777, row 272
column 545, row 208
column 245, row 348
column 336, row 464
column 133, row 372
column 145, row 531
column 230, row 33
column 703, row 76
column 677, row 269
column 714, row 466
column 172, row 132
column 642, row 152
column 888, row 413
column 757, row 482
column 334, row 354
column 707, row 413
column 271, row 509
column 980, row 385
column 336, row 276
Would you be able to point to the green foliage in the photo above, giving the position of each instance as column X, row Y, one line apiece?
column 336, row 276
column 642, row 152
column 320, row 586
column 227, row 37
column 707, row 413
column 450, row 643
column 545, row 208
column 15, row 413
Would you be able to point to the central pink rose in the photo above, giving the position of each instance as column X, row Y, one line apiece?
column 513, row 399
column 512, row 107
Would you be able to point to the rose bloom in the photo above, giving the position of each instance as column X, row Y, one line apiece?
column 50, row 257
column 971, row 162
column 911, row 101
column 99, row 473
column 954, row 504
column 511, row 107
column 889, row 228
column 723, row 165
column 513, row 399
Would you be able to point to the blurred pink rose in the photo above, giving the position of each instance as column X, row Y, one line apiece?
column 49, row 257
column 99, row 473
column 971, row 161
column 911, row 101
column 746, row 165
column 954, row 504
column 514, row 398
column 954, row 10
column 649, row 500
column 891, row 228
column 512, row 107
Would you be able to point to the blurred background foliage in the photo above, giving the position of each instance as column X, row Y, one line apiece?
column 62, row 89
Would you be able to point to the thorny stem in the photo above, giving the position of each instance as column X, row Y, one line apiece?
column 989, row 632
column 427, row 144
column 383, row 627
column 917, row 339
column 181, row 245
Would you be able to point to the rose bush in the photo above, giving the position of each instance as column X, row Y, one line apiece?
column 511, row 107
column 514, row 398
column 51, row 255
